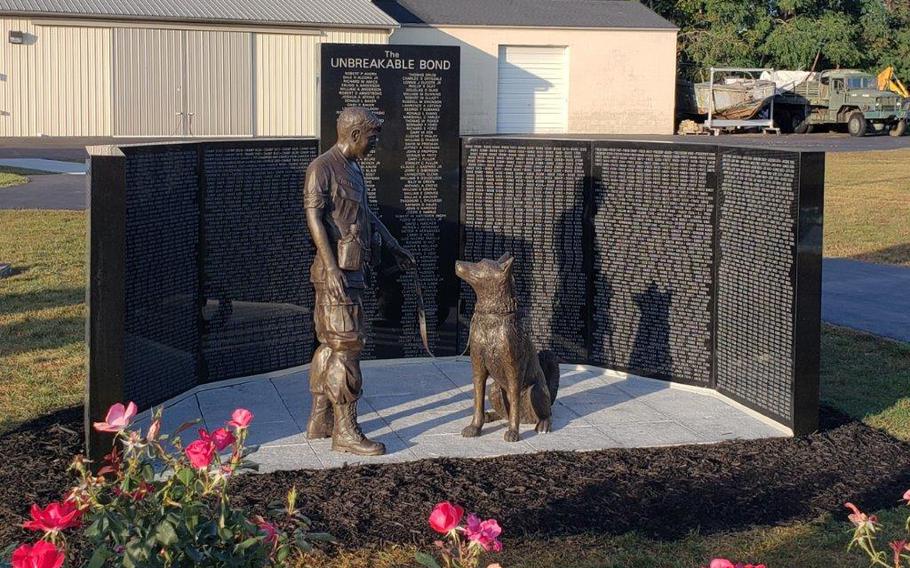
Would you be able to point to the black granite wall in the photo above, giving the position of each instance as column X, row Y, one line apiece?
column 691, row 263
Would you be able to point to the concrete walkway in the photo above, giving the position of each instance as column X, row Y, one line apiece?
column 418, row 407
column 868, row 297
column 43, row 165
column 53, row 191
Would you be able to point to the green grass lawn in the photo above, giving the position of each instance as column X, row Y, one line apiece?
column 867, row 206
column 11, row 179
column 42, row 366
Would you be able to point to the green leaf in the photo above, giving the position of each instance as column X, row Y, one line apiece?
column 93, row 531
column 321, row 537
column 425, row 559
column 165, row 533
column 282, row 555
column 99, row 557
column 185, row 476
column 302, row 543
column 247, row 543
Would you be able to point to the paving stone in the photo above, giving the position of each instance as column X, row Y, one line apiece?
column 275, row 434
column 404, row 380
column 259, row 397
column 279, row 458
column 457, row 370
column 419, row 410
column 488, row 444
column 394, row 407
column 638, row 386
column 684, row 405
column 569, row 439
column 649, row 434
column 174, row 415
column 625, row 411
column 732, row 428
column 591, row 392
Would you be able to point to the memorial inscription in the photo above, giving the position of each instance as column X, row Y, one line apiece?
column 756, row 297
column 412, row 181
column 653, row 260
column 527, row 198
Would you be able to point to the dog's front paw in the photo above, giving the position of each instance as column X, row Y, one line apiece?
column 471, row 431
column 544, row 426
column 511, row 436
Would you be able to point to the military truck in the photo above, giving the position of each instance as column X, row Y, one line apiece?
column 840, row 97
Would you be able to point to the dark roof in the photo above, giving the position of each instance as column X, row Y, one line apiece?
column 346, row 13
column 525, row 13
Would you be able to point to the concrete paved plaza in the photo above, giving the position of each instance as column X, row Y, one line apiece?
column 417, row 407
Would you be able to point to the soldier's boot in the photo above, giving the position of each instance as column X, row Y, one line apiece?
column 321, row 420
column 347, row 435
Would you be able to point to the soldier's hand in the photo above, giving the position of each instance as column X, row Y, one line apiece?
column 336, row 283
column 404, row 257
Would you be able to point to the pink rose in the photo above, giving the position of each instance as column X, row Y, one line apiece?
column 721, row 563
column 118, row 418
column 54, row 517
column 445, row 517
column 268, row 529
column 241, row 418
column 40, row 555
column 200, row 453
column 859, row 518
column 898, row 546
column 220, row 437
column 907, row 496
column 484, row 533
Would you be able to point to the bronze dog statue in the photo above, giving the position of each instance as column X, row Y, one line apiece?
column 524, row 382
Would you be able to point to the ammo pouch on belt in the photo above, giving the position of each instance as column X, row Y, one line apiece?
column 350, row 251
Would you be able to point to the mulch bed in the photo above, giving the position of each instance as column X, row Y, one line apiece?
column 662, row 492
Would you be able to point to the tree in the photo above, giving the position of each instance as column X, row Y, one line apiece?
column 789, row 34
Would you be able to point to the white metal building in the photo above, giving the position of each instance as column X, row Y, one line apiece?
column 167, row 68
column 171, row 67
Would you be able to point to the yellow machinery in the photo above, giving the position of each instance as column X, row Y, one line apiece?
column 888, row 82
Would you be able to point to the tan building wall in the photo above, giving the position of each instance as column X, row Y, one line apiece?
column 95, row 78
column 287, row 71
column 620, row 81
column 58, row 83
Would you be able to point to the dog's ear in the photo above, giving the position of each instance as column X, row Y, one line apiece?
column 505, row 262
column 505, row 256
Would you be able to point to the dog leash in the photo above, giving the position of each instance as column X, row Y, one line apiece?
column 422, row 317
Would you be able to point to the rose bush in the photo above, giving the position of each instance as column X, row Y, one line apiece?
column 465, row 543
column 864, row 537
column 180, row 515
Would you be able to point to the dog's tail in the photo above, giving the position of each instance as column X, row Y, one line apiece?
column 549, row 362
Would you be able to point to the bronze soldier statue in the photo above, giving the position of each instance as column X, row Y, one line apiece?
column 348, row 237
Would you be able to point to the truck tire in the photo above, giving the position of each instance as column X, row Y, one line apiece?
column 857, row 125
column 805, row 128
column 899, row 128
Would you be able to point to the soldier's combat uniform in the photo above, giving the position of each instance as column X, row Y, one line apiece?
column 335, row 185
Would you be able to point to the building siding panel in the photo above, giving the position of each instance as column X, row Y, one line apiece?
column 58, row 83
column 148, row 82
column 219, row 83
column 287, row 71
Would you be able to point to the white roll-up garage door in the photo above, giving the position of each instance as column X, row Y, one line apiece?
column 533, row 89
